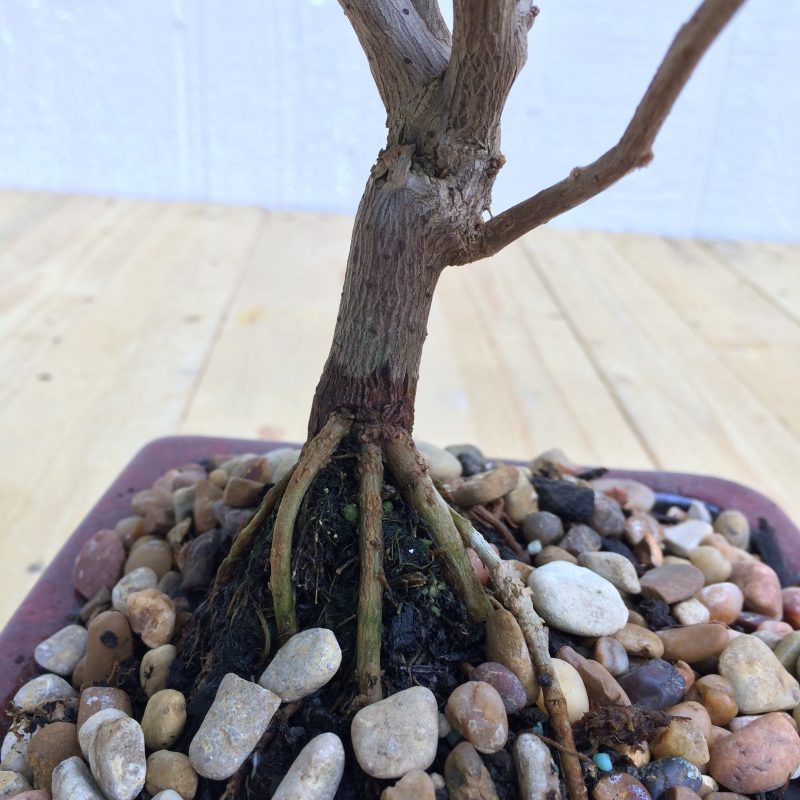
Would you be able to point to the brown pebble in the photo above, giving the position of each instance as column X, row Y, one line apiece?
column 760, row 586
column 648, row 552
column 154, row 669
column 242, row 493
column 484, row 487
column 505, row 681
column 48, row 747
column 695, row 712
column 200, row 562
column 465, row 775
column 219, row 477
column 686, row 672
column 610, row 653
column 99, row 602
column 601, row 687
column 152, row 615
column 672, row 583
column 790, row 598
column 78, row 673
column 723, row 601
column 619, row 786
column 553, row 553
column 505, row 644
column 154, row 553
column 99, row 563
column 693, row 643
column 726, row 796
column 717, row 696
column 163, row 719
column 96, row 698
column 581, row 539
column 130, row 529
column 733, row 525
column 475, row 709
column 681, row 738
column 205, row 495
column 168, row 770
column 639, row 641
column 680, row 793
column 110, row 642
column 638, row 524
column 414, row 785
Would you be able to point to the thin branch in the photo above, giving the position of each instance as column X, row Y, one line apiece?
column 403, row 51
column 490, row 46
column 633, row 150
column 431, row 15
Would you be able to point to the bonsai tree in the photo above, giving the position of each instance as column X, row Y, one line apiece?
column 423, row 209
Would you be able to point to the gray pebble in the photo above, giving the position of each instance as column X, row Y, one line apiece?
column 607, row 518
column 44, row 689
column 536, row 771
column 316, row 772
column 117, row 758
column 61, row 652
column 542, row 526
column 12, row 783
column 72, row 781
column 136, row 580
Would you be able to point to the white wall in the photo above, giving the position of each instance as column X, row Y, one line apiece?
column 270, row 102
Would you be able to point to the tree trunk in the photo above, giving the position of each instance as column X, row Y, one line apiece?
column 402, row 239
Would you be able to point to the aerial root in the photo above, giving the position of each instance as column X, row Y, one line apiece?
column 315, row 455
column 415, row 483
column 516, row 597
column 370, row 590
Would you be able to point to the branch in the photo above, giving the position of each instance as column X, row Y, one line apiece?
column 490, row 46
column 402, row 47
column 633, row 150
column 432, row 17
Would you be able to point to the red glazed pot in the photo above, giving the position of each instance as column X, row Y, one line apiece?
column 48, row 605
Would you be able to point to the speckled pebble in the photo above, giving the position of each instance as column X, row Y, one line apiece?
column 234, row 723
column 49, row 746
column 475, row 709
column 97, row 698
column 44, row 689
column 615, row 568
column 304, row 664
column 316, row 772
column 61, row 652
column 73, row 781
column 12, row 784
column 141, row 578
column 537, row 774
column 117, row 758
column 152, row 615
column 398, row 734
column 171, row 771
column 154, row 668
column 619, row 786
column 163, row 719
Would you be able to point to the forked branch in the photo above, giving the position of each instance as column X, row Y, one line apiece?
column 403, row 49
column 633, row 150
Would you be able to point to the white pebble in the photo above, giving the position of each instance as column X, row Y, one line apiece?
column 11, row 784
column 72, row 781
column 316, row 772
column 134, row 581
column 117, row 758
column 61, row 652
column 44, row 689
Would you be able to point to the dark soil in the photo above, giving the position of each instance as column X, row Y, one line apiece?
column 427, row 633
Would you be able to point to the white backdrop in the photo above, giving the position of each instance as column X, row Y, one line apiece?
column 270, row 102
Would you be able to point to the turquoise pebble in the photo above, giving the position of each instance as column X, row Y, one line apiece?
column 602, row 761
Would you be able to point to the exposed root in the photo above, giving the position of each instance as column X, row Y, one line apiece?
column 315, row 455
column 517, row 599
column 412, row 477
column 370, row 591
column 481, row 514
column 244, row 539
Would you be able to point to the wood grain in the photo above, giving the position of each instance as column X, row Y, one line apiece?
column 125, row 320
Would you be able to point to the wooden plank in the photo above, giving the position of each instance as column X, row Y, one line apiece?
column 753, row 337
column 21, row 211
column 691, row 409
column 120, row 374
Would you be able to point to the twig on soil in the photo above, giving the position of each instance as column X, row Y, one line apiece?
column 314, row 457
column 482, row 514
column 241, row 544
column 370, row 592
column 413, row 479
column 517, row 599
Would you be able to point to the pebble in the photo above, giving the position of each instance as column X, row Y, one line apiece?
column 601, row 687
column 183, row 503
column 581, row 539
column 14, row 754
column 443, row 465
column 656, row 685
column 575, row 694
column 129, row 530
column 758, row 758
column 567, row 499
column 466, row 776
column 154, row 668
column 316, row 772
column 163, row 719
column 484, row 487
column 33, row 794
column 682, row 737
column 236, row 720
column 97, row 698
column 710, row 561
column 640, row 641
column 44, row 689
column 717, row 696
column 733, row 554
column 681, row 793
column 414, row 785
column 117, row 758
column 664, row 773
column 537, row 774
column 521, row 501
column 99, row 563
column 672, row 583
column 760, row 586
column 553, row 553
column 88, row 731
column 206, row 494
column 281, row 460
column 637, row 496
column 304, row 664
column 723, row 600
column 201, row 561
column 708, row 785
column 99, row 602
column 696, row 713
column 476, row 710
column 167, row 770
column 788, row 651
column 684, row 537
column 242, row 493
column 607, row 518
column 619, row 786
column 152, row 615
column 760, row 683
column 505, row 645
column 638, row 524
column 136, row 581
column 61, row 652
column 168, row 794
column 610, row 653
column 154, row 553
column 507, row 684
column 542, row 526
column 110, row 641
column 690, row 612
column 648, row 552
column 72, row 781
column 398, row 734
column 615, row 568
column 790, row 598
column 11, row 784
column 48, row 747
column 733, row 525
column 576, row 600
column 155, row 505
column 693, row 643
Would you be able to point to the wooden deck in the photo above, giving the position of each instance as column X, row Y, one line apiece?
column 122, row 321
